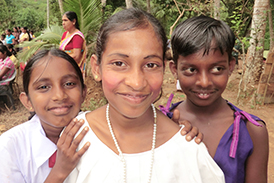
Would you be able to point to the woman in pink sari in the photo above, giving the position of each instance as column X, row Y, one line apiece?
column 73, row 41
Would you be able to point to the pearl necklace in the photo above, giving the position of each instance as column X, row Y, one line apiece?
column 122, row 158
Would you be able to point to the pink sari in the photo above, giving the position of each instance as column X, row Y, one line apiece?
column 64, row 43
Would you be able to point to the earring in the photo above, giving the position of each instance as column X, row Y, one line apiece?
column 30, row 108
column 95, row 77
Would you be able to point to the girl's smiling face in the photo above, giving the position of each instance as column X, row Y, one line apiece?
column 131, row 70
column 55, row 92
column 203, row 78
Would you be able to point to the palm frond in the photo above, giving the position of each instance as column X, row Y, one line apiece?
column 88, row 12
column 50, row 37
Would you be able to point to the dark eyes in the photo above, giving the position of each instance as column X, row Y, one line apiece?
column 151, row 65
column 121, row 64
column 189, row 70
column 214, row 70
column 70, row 84
column 46, row 87
column 217, row 69
column 118, row 64
column 43, row 87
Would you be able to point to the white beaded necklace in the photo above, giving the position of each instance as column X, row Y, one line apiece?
column 120, row 152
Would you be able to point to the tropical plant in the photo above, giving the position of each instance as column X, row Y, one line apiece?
column 89, row 17
column 89, row 13
column 49, row 38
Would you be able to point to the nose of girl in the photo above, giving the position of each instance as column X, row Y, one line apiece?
column 136, row 80
column 204, row 80
column 59, row 94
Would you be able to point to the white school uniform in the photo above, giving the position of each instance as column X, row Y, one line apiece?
column 175, row 161
column 24, row 153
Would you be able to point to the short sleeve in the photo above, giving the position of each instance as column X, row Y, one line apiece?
column 77, row 41
column 9, row 64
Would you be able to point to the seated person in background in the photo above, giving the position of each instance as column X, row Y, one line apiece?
column 3, row 38
column 13, row 55
column 10, row 39
column 6, row 65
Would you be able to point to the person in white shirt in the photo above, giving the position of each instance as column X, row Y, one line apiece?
column 34, row 151
column 54, row 90
column 130, row 140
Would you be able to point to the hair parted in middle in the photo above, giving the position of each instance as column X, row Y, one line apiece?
column 125, row 20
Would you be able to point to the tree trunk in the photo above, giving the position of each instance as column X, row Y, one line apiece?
column 129, row 4
column 254, row 57
column 270, row 27
column 148, row 6
column 61, row 7
column 47, row 13
column 217, row 9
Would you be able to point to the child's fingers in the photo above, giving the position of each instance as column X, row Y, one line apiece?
column 70, row 134
column 199, row 138
column 80, row 153
column 66, row 131
column 75, row 143
column 193, row 133
column 176, row 116
column 187, row 127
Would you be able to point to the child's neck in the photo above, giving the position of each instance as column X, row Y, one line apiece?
column 208, row 110
column 129, row 125
column 53, row 135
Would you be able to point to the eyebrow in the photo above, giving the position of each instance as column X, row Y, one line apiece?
column 64, row 77
column 126, row 56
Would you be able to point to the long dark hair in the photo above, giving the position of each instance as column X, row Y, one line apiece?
column 4, row 49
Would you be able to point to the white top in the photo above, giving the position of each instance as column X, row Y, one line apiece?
column 24, row 153
column 175, row 161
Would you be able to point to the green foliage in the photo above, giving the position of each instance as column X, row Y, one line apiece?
column 30, row 18
column 89, row 15
column 3, row 15
column 50, row 37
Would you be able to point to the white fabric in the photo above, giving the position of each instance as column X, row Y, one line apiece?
column 175, row 161
column 24, row 153
column 178, row 86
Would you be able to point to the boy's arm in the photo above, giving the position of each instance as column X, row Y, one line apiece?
column 67, row 156
column 188, row 130
column 256, row 165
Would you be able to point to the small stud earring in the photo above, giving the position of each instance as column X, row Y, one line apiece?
column 30, row 108
column 95, row 77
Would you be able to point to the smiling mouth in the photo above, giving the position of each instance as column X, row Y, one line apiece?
column 60, row 110
column 134, row 97
column 203, row 95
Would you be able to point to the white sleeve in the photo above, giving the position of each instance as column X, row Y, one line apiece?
column 9, row 170
column 209, row 170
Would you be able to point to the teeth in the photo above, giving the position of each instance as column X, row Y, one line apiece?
column 203, row 94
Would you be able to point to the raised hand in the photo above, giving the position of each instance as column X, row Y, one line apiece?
column 188, row 130
column 67, row 156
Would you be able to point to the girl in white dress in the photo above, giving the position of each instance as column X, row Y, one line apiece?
column 130, row 140
column 34, row 152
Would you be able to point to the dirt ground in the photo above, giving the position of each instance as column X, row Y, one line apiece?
column 10, row 118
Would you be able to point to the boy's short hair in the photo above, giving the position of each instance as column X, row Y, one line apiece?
column 197, row 33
